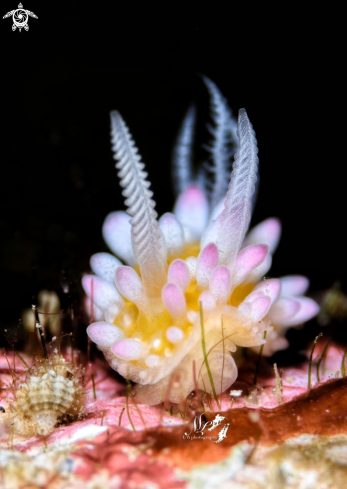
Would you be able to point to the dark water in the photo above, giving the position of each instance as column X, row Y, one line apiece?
column 77, row 63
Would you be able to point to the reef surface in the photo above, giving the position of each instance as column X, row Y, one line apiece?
column 293, row 437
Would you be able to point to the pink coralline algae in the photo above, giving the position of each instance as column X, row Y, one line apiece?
column 193, row 277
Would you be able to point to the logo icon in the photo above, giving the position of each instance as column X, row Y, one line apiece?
column 199, row 427
column 20, row 18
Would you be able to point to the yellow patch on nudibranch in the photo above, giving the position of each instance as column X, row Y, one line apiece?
column 149, row 327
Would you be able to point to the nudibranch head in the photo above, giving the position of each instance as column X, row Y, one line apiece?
column 196, row 259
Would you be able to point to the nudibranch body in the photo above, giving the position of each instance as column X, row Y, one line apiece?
column 196, row 259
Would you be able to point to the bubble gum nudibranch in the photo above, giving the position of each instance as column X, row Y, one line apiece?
column 148, row 322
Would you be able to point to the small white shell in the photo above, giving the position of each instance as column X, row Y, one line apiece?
column 51, row 393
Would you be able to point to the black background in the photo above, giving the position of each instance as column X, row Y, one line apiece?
column 79, row 61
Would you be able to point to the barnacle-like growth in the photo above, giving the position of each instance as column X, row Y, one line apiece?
column 148, row 323
column 51, row 393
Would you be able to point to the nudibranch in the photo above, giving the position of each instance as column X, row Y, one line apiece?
column 194, row 260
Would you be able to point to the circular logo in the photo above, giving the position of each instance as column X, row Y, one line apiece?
column 20, row 17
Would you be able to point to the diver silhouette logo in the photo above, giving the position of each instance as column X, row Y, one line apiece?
column 20, row 18
column 200, row 426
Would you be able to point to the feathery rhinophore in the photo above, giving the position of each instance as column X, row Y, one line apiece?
column 146, row 237
column 224, row 144
column 182, row 154
column 234, row 220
